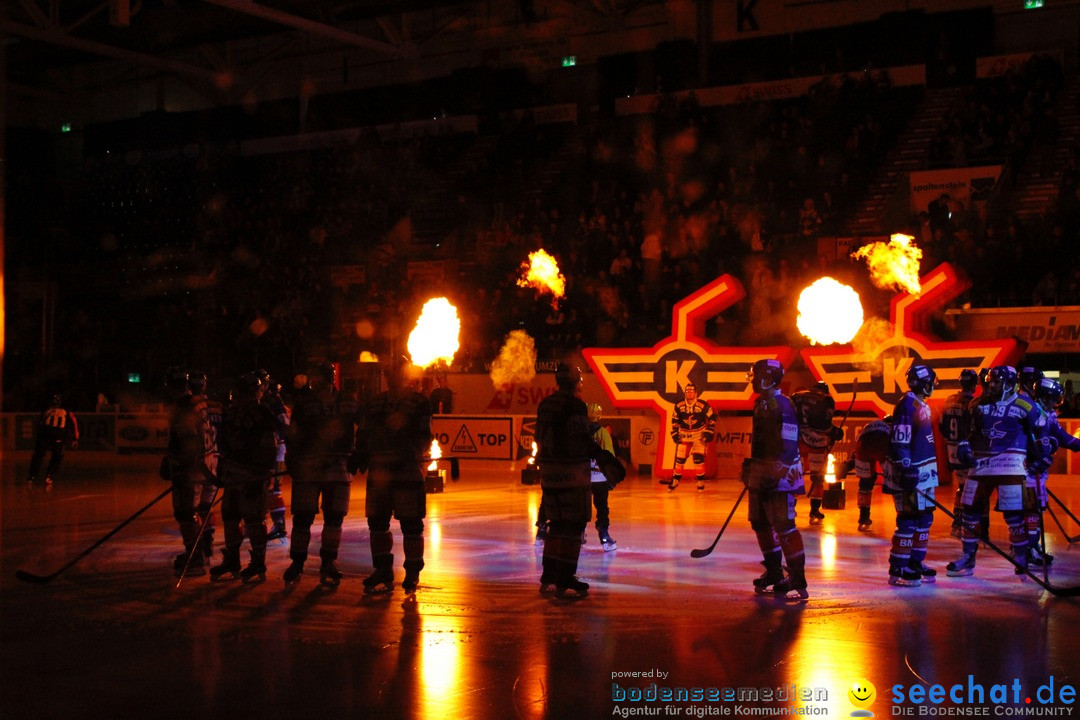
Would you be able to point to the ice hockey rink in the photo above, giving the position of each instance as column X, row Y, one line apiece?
column 661, row 633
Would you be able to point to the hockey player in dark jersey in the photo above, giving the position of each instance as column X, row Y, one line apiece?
column 210, row 413
column 56, row 429
column 955, row 426
column 248, row 445
column 815, row 409
column 565, row 446
column 184, row 466
column 275, row 503
column 871, row 456
column 693, row 427
column 391, row 440
column 320, row 444
column 1008, row 437
column 912, row 479
column 774, row 477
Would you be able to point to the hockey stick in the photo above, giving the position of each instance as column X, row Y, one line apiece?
column 847, row 413
column 1063, row 506
column 198, row 537
column 705, row 551
column 1072, row 591
column 1069, row 538
column 44, row 579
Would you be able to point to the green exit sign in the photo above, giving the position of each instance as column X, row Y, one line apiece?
column 1033, row 4
column 569, row 61
column 65, row 128
column 134, row 378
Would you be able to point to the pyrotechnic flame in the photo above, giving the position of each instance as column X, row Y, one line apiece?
column 516, row 362
column 532, row 458
column 436, row 453
column 542, row 273
column 893, row 265
column 435, row 336
column 829, row 312
column 830, row 469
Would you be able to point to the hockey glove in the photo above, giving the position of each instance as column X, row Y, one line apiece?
column 707, row 437
column 744, row 474
column 676, row 438
column 1038, row 464
column 836, row 433
column 166, row 469
column 964, row 457
column 611, row 468
column 357, row 462
column 1053, row 443
column 906, row 478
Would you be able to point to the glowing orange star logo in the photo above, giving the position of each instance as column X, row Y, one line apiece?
column 654, row 377
column 878, row 374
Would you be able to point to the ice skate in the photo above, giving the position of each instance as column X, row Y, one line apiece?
column 816, row 516
column 904, row 577
column 674, row 484
column 768, row 580
column 864, row 525
column 1037, row 558
column 253, row 573
column 411, row 581
column 571, row 589
column 963, row 566
column 277, row 532
column 789, row 589
column 547, row 584
column 195, row 567
column 293, row 572
column 329, row 574
column 380, row 581
column 926, row 573
column 701, row 486
column 607, row 542
column 230, row 565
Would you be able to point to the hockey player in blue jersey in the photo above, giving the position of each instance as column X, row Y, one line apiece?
column 913, row 477
column 1008, row 438
column 1049, row 395
column 774, row 477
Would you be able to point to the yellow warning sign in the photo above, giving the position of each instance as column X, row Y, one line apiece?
column 463, row 442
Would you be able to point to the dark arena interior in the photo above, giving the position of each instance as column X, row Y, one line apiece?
column 259, row 198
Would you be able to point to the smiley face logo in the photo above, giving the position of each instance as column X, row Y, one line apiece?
column 862, row 694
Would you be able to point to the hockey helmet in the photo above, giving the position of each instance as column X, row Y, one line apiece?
column 567, row 376
column 248, row 384
column 176, row 379
column 984, row 378
column 1049, row 393
column 921, row 380
column 1001, row 382
column 56, row 401
column 821, row 387
column 765, row 373
column 595, row 411
column 1029, row 378
column 197, row 381
column 264, row 375
column 324, row 370
column 968, row 380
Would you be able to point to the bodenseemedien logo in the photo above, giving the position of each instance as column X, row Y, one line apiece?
column 1008, row 699
column 861, row 694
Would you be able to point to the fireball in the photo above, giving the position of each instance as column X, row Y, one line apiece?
column 516, row 362
column 532, row 458
column 435, row 336
column 542, row 273
column 893, row 265
column 829, row 312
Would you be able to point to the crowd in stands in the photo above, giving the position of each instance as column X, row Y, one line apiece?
column 228, row 260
